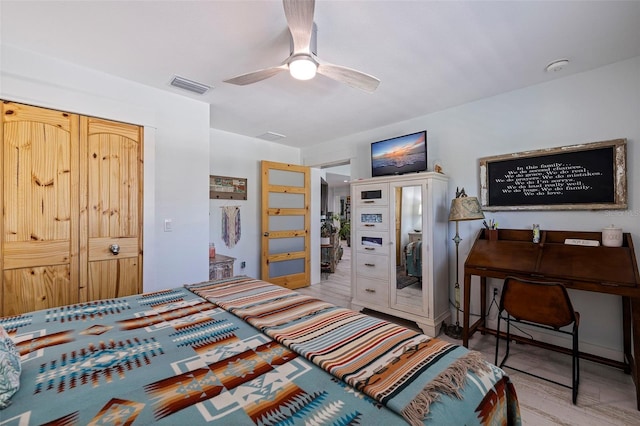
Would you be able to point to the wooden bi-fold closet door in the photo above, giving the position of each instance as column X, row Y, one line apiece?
column 71, row 187
column 114, row 214
column 40, row 235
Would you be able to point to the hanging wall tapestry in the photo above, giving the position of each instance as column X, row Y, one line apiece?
column 230, row 225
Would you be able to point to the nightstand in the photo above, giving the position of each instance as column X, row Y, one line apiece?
column 221, row 266
column 415, row 236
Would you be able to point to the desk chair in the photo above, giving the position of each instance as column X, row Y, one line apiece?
column 540, row 304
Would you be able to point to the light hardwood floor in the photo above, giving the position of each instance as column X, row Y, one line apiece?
column 606, row 395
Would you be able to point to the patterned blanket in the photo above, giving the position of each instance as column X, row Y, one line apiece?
column 421, row 378
column 173, row 357
column 169, row 358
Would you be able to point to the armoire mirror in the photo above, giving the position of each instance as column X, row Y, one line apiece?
column 407, row 291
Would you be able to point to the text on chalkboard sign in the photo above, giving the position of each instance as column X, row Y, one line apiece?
column 586, row 176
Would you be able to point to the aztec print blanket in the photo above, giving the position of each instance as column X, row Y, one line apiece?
column 426, row 380
column 169, row 358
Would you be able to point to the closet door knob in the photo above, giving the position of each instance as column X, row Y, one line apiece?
column 114, row 248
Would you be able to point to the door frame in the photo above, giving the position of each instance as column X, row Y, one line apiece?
column 318, row 171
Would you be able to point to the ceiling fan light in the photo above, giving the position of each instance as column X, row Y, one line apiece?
column 303, row 69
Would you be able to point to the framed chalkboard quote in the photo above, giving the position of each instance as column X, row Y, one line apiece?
column 578, row 177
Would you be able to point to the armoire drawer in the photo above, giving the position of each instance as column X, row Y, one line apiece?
column 372, row 219
column 372, row 265
column 372, row 290
column 372, row 242
column 372, row 195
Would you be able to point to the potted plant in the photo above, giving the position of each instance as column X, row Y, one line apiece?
column 345, row 232
column 325, row 232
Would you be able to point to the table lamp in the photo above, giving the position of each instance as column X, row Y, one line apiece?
column 462, row 208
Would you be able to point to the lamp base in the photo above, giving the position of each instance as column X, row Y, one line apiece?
column 453, row 331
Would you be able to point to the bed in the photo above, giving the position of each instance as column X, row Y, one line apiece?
column 241, row 351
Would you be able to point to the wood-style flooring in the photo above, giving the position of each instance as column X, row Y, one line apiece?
column 606, row 395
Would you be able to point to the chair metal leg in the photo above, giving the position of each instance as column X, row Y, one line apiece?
column 577, row 356
column 497, row 340
column 506, row 354
column 576, row 365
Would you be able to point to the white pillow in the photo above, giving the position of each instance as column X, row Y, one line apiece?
column 9, row 368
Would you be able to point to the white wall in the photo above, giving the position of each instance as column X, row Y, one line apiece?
column 598, row 105
column 335, row 194
column 239, row 156
column 176, row 153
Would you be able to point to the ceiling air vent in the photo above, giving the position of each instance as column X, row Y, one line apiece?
column 271, row 136
column 190, row 85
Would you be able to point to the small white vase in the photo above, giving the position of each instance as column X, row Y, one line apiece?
column 612, row 236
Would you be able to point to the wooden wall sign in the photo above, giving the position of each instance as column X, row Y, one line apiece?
column 227, row 188
column 588, row 176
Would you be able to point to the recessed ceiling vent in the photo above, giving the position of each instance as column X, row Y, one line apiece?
column 271, row 136
column 190, row 85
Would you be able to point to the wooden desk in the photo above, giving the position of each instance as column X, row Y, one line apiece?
column 610, row 270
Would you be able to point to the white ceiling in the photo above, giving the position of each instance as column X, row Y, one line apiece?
column 428, row 55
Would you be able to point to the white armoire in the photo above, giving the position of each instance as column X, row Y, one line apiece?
column 399, row 248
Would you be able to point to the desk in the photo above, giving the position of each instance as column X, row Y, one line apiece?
column 610, row 270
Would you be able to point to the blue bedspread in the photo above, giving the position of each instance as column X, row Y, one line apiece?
column 172, row 357
column 168, row 358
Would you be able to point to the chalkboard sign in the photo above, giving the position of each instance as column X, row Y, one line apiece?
column 578, row 177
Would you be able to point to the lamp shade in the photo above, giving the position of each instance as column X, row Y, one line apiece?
column 465, row 208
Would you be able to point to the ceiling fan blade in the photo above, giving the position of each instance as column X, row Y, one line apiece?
column 255, row 76
column 299, row 15
column 351, row 77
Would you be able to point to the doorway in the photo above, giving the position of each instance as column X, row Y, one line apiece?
column 335, row 215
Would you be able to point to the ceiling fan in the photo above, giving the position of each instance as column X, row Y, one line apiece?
column 303, row 64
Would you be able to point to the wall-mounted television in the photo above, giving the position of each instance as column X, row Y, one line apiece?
column 400, row 155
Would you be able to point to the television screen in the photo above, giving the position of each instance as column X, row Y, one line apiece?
column 397, row 156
